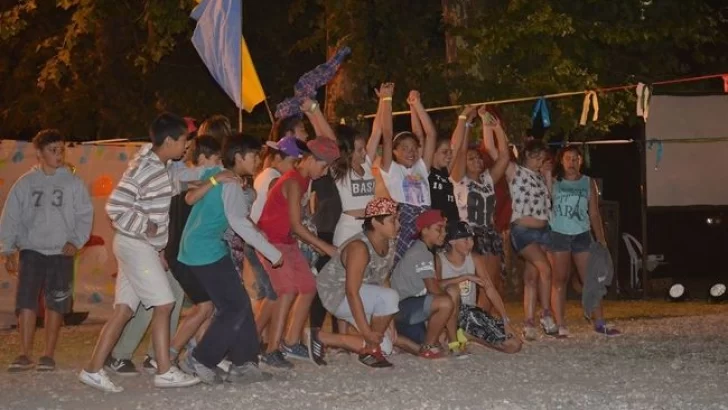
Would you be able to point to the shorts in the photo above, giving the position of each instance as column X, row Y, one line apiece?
column 141, row 277
column 261, row 285
column 189, row 283
column 294, row 276
column 377, row 301
column 487, row 240
column 414, row 310
column 570, row 243
column 479, row 324
column 522, row 236
column 52, row 274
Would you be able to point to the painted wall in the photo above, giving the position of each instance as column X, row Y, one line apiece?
column 100, row 167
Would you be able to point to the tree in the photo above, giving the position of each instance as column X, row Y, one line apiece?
column 99, row 68
column 523, row 48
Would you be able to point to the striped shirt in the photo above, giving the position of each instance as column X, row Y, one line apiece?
column 143, row 195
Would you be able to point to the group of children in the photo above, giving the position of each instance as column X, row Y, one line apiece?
column 398, row 245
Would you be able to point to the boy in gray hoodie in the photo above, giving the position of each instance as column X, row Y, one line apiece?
column 47, row 217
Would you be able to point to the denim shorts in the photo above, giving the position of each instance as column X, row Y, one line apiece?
column 261, row 285
column 414, row 310
column 522, row 236
column 570, row 243
column 50, row 274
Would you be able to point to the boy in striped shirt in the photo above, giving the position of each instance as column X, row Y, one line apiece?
column 139, row 212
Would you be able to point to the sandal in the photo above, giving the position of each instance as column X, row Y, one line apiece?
column 432, row 352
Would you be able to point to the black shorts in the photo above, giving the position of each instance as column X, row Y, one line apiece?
column 190, row 284
column 52, row 274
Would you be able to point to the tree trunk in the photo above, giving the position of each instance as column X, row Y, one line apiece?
column 454, row 14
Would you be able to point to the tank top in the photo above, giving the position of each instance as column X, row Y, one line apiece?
column 356, row 191
column 274, row 220
column 468, row 289
column 331, row 280
column 261, row 186
column 442, row 193
column 530, row 195
column 570, row 212
column 476, row 200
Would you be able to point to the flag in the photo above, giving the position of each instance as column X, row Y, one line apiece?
column 219, row 41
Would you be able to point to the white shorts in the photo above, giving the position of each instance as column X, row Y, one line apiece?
column 377, row 301
column 347, row 227
column 141, row 277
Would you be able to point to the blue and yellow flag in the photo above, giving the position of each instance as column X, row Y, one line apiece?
column 218, row 39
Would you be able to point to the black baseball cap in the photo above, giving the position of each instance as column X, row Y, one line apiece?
column 459, row 230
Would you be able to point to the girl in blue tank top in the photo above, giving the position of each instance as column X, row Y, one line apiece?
column 574, row 214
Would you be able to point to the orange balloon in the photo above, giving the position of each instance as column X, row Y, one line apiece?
column 102, row 186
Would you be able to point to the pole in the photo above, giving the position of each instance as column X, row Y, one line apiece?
column 240, row 108
column 643, row 208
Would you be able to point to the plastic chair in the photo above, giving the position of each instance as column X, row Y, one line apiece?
column 634, row 248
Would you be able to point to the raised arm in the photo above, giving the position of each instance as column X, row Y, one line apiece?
column 387, row 134
column 321, row 127
column 292, row 193
column 385, row 98
column 504, row 160
column 459, row 144
column 491, row 125
column 428, row 149
column 416, row 123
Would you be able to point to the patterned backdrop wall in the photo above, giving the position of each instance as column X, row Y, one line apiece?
column 100, row 167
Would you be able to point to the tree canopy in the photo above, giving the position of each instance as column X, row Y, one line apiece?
column 104, row 68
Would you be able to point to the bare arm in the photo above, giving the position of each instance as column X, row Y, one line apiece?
column 430, row 132
column 387, row 135
column 595, row 216
column 503, row 161
column 292, row 192
column 460, row 145
column 385, row 98
column 489, row 143
column 356, row 258
column 490, row 291
column 321, row 127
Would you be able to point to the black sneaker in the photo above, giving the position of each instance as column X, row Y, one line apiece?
column 315, row 346
column 374, row 359
column 121, row 367
column 276, row 359
column 149, row 365
column 20, row 364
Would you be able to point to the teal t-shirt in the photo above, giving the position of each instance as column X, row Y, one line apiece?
column 570, row 209
column 202, row 239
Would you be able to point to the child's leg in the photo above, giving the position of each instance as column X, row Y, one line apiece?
column 31, row 277
column 58, row 297
column 440, row 312
column 278, row 320
column 452, row 323
column 109, row 335
column 132, row 334
column 160, row 336
column 179, row 296
column 191, row 324
column 299, row 314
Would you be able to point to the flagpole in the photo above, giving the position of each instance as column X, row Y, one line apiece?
column 240, row 108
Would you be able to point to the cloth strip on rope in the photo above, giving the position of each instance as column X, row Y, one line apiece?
column 590, row 100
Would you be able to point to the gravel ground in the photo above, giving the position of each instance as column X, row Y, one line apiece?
column 660, row 363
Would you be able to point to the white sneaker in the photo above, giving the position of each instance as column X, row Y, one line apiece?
column 224, row 365
column 175, row 378
column 99, row 381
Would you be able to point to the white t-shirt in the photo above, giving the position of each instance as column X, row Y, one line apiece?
column 476, row 200
column 261, row 185
column 468, row 289
column 408, row 185
column 356, row 191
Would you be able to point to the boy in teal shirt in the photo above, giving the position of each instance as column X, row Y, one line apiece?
column 204, row 253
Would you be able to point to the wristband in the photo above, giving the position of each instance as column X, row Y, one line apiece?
column 313, row 107
column 469, row 125
column 213, row 181
column 386, row 98
column 462, row 117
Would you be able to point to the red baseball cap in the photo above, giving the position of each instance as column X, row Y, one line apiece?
column 427, row 218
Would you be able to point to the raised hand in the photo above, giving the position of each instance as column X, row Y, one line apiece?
column 413, row 97
column 385, row 90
